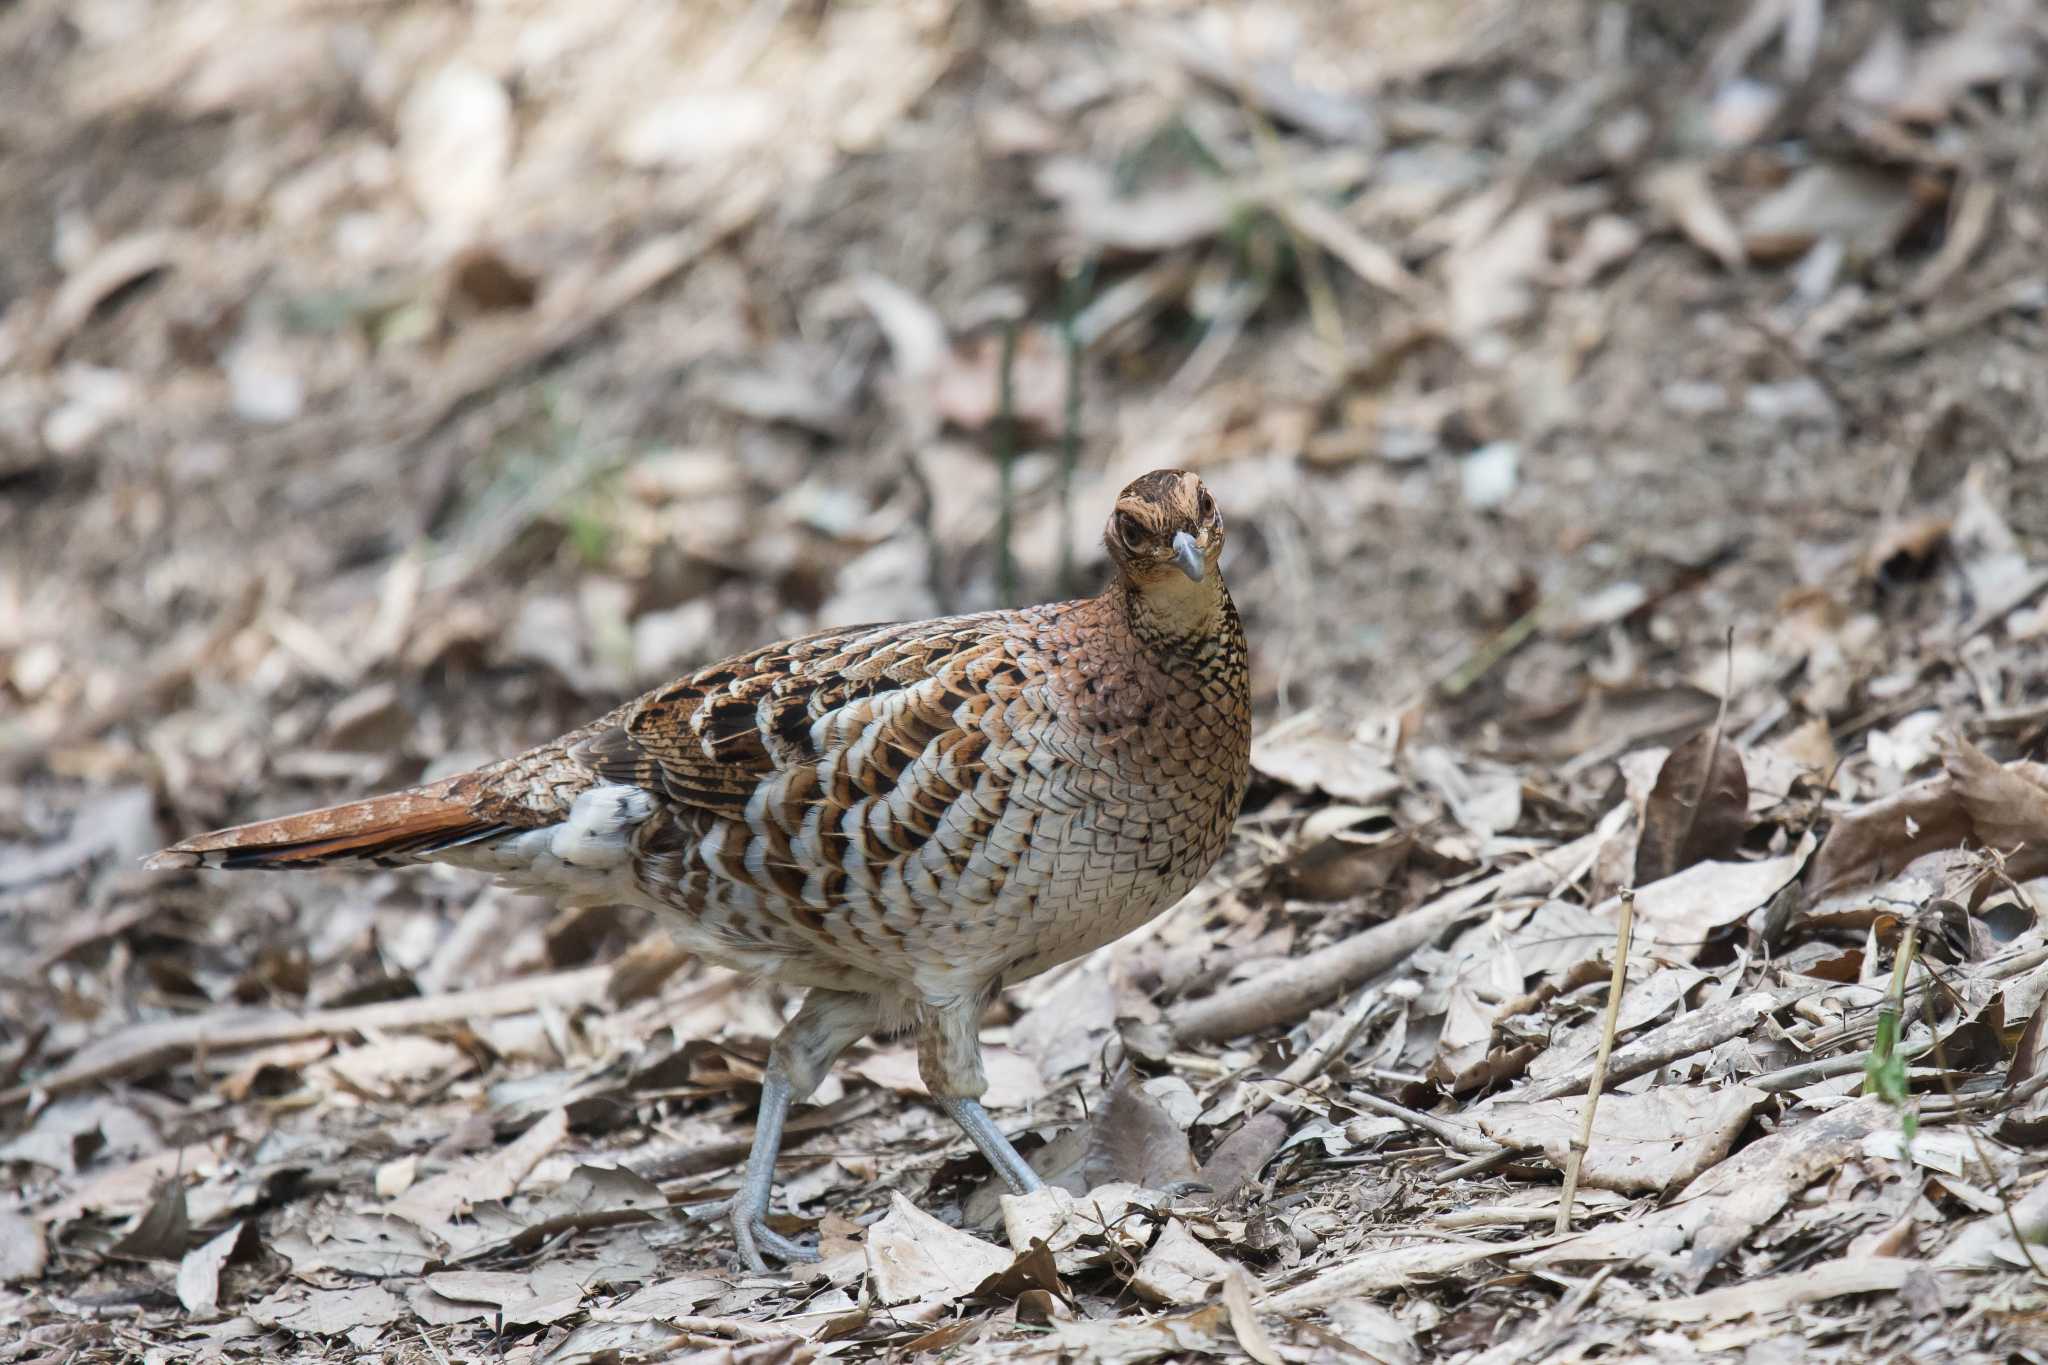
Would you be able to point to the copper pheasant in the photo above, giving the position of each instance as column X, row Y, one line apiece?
column 903, row 818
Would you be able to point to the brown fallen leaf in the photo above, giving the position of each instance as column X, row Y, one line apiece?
column 1244, row 1153
column 1988, row 1243
column 373, row 1245
column 1199, row 1335
column 491, row 1176
column 967, row 384
column 549, row 1292
column 483, row 278
column 1244, row 1318
column 2001, row 806
column 1698, row 810
column 1034, row 1271
column 1921, row 82
column 114, row 267
column 163, row 1232
column 1868, row 209
column 2007, row 803
column 1108, row 1223
column 1718, row 1212
column 1679, row 911
column 327, row 1312
column 913, row 1257
column 199, row 1271
column 1178, row 1271
column 1781, row 1293
column 672, row 1298
column 1380, row 1269
column 1683, row 192
column 1492, row 279
column 1135, row 1139
column 1335, row 764
column 1873, row 843
column 1648, row 1143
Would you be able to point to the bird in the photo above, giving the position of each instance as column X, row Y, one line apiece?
column 902, row 819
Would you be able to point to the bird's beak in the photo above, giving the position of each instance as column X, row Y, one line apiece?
column 1188, row 555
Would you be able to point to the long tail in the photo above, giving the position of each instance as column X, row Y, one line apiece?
column 397, row 827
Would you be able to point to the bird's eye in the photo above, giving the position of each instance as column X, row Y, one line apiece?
column 1206, row 505
column 1129, row 529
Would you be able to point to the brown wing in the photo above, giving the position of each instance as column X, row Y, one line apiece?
column 709, row 740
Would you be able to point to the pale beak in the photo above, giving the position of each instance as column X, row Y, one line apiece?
column 1188, row 555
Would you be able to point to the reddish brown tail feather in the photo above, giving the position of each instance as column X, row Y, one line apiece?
column 395, row 825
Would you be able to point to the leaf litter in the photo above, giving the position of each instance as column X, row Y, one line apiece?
column 1519, row 391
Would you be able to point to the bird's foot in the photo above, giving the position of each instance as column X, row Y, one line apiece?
column 757, row 1242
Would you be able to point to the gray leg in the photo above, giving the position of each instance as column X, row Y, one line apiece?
column 981, row 1130
column 949, row 1060
column 750, row 1206
column 828, row 1023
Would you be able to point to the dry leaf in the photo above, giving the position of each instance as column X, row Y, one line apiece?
column 1682, row 191
column 1080, row 1228
column 1994, row 44
column 372, row 1245
column 672, row 1298
column 1642, row 1144
column 913, row 1257
column 1988, row 1244
column 1778, row 1294
column 164, row 1231
column 549, row 1292
column 1681, row 910
column 1699, row 808
column 2007, row 803
column 1241, row 1156
column 1178, row 1271
column 1378, row 1270
column 199, row 1271
column 1485, row 798
column 1719, row 1211
column 1199, row 1335
column 1868, row 209
column 327, row 1312
column 1492, row 280
column 111, row 269
column 1874, row 842
column 967, row 385
column 1244, row 1318
column 1341, row 767
column 1999, row 806
column 23, row 1251
column 1135, row 1140
column 494, row 1176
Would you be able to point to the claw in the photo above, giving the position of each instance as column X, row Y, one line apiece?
column 757, row 1241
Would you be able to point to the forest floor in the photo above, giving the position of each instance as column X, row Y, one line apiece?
column 1631, row 421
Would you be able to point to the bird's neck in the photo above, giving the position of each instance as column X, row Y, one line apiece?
column 1172, row 613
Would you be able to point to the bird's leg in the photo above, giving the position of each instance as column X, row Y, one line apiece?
column 828, row 1023
column 949, row 1061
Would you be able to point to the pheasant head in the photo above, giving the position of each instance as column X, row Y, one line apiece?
column 1165, row 536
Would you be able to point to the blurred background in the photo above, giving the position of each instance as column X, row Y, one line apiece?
column 386, row 387
column 389, row 385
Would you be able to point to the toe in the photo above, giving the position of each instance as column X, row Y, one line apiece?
column 782, row 1248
